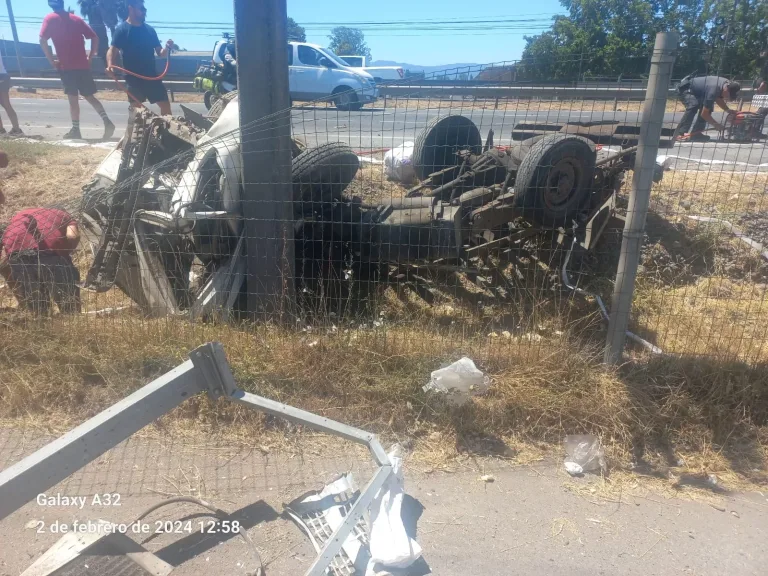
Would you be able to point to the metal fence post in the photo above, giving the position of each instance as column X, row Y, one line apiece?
column 265, row 122
column 12, row 21
column 650, row 132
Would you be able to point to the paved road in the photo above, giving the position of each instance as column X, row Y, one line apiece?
column 375, row 128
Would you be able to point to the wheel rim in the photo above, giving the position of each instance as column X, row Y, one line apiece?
column 344, row 99
column 562, row 183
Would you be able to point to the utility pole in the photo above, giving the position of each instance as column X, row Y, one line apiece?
column 265, row 122
column 15, row 36
column 654, row 107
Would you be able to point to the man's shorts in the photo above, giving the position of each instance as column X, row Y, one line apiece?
column 78, row 82
column 5, row 82
column 143, row 90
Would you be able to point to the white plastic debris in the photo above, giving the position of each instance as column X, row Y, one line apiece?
column 372, row 548
column 398, row 165
column 459, row 381
column 583, row 453
column 390, row 545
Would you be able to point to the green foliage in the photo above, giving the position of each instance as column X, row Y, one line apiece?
column 612, row 38
column 350, row 42
column 296, row 33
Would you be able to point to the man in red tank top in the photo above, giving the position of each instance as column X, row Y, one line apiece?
column 68, row 33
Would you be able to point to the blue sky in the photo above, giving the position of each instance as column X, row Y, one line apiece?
column 470, row 42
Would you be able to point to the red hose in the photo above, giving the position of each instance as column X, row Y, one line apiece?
column 131, row 96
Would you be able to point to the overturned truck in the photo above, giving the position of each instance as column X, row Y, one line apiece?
column 162, row 212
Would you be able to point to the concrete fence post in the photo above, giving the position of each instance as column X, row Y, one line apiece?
column 654, row 107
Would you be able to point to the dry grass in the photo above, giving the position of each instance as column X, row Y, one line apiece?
column 541, row 349
column 709, row 193
column 43, row 174
column 713, row 415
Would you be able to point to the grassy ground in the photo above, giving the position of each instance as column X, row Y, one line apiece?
column 540, row 346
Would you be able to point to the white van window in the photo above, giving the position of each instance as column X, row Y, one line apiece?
column 290, row 55
column 309, row 56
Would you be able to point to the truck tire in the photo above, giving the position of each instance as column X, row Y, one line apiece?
column 436, row 146
column 345, row 99
column 322, row 174
column 218, row 106
column 554, row 180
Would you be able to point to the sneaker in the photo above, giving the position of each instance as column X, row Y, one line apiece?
column 73, row 134
column 109, row 129
column 16, row 132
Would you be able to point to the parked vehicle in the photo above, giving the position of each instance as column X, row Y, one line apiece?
column 314, row 73
column 380, row 73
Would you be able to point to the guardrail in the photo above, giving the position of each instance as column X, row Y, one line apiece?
column 443, row 89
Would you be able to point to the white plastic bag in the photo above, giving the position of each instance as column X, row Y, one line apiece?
column 397, row 163
column 459, row 381
column 583, row 453
column 390, row 545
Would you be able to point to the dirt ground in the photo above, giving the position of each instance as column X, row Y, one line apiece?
column 117, row 95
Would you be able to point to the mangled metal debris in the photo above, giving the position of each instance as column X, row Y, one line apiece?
column 207, row 370
column 163, row 211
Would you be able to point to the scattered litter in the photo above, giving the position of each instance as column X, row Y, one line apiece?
column 583, row 453
column 398, row 165
column 712, row 480
column 733, row 512
column 390, row 545
column 369, row 549
column 595, row 520
column 573, row 469
column 488, row 478
column 31, row 524
column 716, row 507
column 107, row 311
column 459, row 381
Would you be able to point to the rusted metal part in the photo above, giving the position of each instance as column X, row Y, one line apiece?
column 483, row 250
column 599, row 132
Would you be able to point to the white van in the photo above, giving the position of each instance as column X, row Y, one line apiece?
column 316, row 73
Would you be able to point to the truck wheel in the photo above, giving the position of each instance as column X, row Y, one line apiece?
column 436, row 146
column 218, row 106
column 321, row 174
column 345, row 99
column 555, row 179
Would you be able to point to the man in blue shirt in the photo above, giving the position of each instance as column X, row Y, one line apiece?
column 138, row 43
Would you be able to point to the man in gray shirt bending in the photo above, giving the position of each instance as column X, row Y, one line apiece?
column 700, row 96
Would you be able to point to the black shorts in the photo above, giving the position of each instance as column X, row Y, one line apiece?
column 5, row 82
column 78, row 82
column 143, row 90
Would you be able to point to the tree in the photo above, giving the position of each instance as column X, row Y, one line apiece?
column 609, row 38
column 296, row 33
column 91, row 11
column 349, row 42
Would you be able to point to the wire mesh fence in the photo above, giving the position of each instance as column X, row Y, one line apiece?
column 425, row 215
